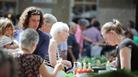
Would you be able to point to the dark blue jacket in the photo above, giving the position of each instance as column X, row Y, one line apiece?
column 42, row 46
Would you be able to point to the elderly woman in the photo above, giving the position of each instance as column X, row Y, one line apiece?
column 113, row 34
column 31, row 65
column 49, row 20
column 59, row 33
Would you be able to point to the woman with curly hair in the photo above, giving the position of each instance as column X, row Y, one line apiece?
column 32, row 17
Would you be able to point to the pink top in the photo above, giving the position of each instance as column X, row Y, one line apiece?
column 79, row 37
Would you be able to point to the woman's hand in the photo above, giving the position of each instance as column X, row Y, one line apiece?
column 59, row 66
column 66, row 63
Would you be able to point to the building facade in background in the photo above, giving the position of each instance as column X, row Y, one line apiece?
column 67, row 10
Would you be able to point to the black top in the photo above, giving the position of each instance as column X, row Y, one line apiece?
column 74, row 45
column 134, row 52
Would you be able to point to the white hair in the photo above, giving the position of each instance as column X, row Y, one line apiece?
column 58, row 27
column 28, row 37
column 49, row 18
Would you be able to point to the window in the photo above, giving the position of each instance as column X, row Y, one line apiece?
column 84, row 6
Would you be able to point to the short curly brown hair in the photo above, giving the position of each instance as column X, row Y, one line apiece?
column 27, row 13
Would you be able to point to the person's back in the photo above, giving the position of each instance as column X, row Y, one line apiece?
column 129, row 43
column 28, row 65
column 94, row 34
